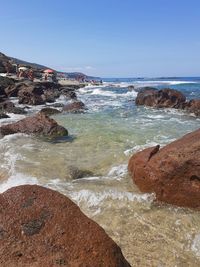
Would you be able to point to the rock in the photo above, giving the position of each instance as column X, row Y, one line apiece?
column 165, row 98
column 74, row 107
column 13, row 90
column 3, row 116
column 172, row 172
column 41, row 227
column 4, row 82
column 8, row 106
column 193, row 106
column 50, row 111
column 40, row 124
column 68, row 92
column 31, row 94
column 76, row 173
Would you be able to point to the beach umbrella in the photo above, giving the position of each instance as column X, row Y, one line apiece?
column 48, row 71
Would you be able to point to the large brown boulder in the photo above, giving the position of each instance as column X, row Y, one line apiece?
column 31, row 94
column 172, row 172
column 40, row 124
column 193, row 106
column 165, row 98
column 41, row 227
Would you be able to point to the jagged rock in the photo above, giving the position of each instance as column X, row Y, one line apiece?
column 193, row 106
column 41, row 227
column 8, row 106
column 40, row 124
column 165, row 98
column 172, row 172
column 74, row 107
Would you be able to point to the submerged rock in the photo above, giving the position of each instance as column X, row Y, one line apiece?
column 76, row 173
column 41, row 227
column 3, row 116
column 50, row 111
column 165, row 98
column 74, row 107
column 40, row 124
column 172, row 172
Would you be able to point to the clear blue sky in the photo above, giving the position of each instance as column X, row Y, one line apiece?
column 108, row 38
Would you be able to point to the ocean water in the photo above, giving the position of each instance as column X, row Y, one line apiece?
column 100, row 143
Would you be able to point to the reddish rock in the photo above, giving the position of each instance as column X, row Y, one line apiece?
column 193, row 106
column 40, row 124
column 165, row 98
column 74, row 107
column 41, row 227
column 173, row 172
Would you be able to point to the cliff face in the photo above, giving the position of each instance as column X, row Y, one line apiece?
column 3, row 60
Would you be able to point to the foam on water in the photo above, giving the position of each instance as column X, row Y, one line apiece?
column 16, row 180
column 95, row 198
column 195, row 247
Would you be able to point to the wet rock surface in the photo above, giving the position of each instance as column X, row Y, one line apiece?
column 165, row 98
column 50, row 111
column 40, row 124
column 75, row 107
column 41, row 227
column 172, row 172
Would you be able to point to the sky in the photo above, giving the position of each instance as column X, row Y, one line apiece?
column 106, row 38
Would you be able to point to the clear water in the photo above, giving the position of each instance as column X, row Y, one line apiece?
column 101, row 142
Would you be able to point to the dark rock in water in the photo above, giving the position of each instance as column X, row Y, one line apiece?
column 172, row 172
column 74, row 107
column 41, row 227
column 50, row 111
column 57, row 105
column 165, row 98
column 40, row 124
column 76, row 173
column 8, row 106
column 68, row 92
column 193, row 106
column 3, row 116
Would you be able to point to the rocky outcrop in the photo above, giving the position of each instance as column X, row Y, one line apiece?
column 193, row 106
column 165, row 98
column 31, row 94
column 74, row 107
column 41, row 227
column 172, row 172
column 40, row 124
column 8, row 106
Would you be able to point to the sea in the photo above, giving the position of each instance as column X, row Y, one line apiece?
column 90, row 167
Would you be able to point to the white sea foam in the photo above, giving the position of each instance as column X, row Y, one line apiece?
column 15, row 180
column 195, row 247
column 96, row 198
column 138, row 148
column 118, row 171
